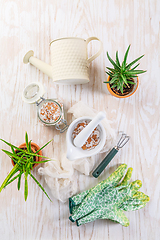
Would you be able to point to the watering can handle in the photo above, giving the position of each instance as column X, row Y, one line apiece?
column 100, row 50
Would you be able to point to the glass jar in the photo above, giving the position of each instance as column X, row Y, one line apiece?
column 50, row 111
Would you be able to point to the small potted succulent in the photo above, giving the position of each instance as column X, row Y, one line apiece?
column 24, row 158
column 123, row 81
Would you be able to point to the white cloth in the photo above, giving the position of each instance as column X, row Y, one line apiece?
column 60, row 175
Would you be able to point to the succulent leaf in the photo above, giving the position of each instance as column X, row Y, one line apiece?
column 121, row 74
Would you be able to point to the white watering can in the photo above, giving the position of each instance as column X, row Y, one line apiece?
column 69, row 60
column 74, row 150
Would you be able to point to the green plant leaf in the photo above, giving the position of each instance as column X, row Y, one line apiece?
column 44, row 146
column 113, row 63
column 25, row 189
column 26, row 140
column 12, row 150
column 124, row 79
column 19, row 180
column 114, row 86
column 131, row 82
column 12, row 180
column 121, row 89
column 11, row 155
column 11, row 145
column 15, row 168
column 117, row 59
column 135, row 67
column 29, row 146
column 40, row 186
column 136, row 72
column 110, row 74
column 125, row 56
column 112, row 70
column 44, row 161
column 130, row 64
column 113, row 80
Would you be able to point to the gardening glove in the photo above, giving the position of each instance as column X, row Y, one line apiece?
column 110, row 202
column 93, row 196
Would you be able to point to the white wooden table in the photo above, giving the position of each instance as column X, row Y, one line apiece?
column 26, row 25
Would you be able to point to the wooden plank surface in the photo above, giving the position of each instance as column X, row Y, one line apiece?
column 26, row 25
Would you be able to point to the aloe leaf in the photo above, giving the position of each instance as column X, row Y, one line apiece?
column 44, row 146
column 124, row 79
column 117, row 59
column 130, row 64
column 136, row 71
column 113, row 63
column 40, row 186
column 113, row 70
column 130, row 82
column 113, row 80
column 114, row 85
column 135, row 66
column 118, row 87
column 110, row 74
column 126, row 55
column 121, row 88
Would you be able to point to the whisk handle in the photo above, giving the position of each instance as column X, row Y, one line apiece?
column 104, row 163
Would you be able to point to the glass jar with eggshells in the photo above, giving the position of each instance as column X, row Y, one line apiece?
column 50, row 111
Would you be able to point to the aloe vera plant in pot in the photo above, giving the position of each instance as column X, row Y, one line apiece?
column 24, row 159
column 123, row 81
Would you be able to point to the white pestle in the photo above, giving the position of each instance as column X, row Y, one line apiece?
column 82, row 137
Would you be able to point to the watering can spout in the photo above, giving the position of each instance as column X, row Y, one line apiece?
column 44, row 67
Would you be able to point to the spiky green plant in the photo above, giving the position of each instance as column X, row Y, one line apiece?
column 24, row 162
column 121, row 74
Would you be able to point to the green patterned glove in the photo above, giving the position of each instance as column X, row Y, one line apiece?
column 108, row 198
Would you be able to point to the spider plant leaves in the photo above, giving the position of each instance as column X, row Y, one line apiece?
column 8, row 177
column 44, row 146
column 25, row 188
column 19, row 180
column 39, row 185
column 12, row 179
column 44, row 161
column 24, row 162
column 26, row 140
column 29, row 146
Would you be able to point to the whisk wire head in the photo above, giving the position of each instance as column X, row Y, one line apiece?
column 123, row 140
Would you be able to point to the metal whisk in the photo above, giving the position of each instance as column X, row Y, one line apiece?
column 123, row 140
